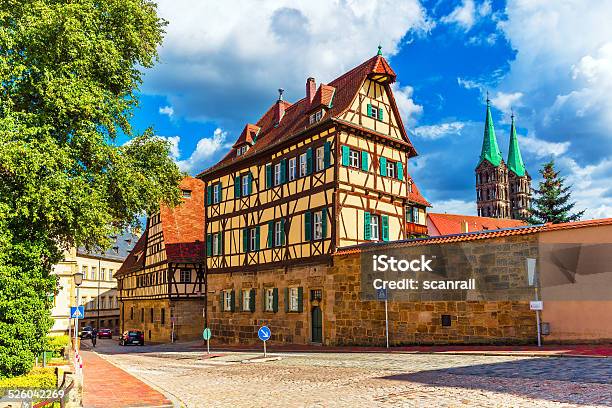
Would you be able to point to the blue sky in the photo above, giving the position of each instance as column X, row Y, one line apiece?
column 221, row 64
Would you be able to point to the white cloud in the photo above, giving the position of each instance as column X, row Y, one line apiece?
column 463, row 15
column 469, row 84
column 541, row 148
column 174, row 146
column 504, row 101
column 433, row 132
column 223, row 65
column 166, row 110
column 455, row 207
column 409, row 110
column 206, row 148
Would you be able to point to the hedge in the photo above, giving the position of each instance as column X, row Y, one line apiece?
column 37, row 378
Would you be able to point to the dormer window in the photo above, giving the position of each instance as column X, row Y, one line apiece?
column 317, row 116
column 241, row 150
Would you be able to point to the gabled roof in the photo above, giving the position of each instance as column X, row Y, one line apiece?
column 452, row 223
column 490, row 150
column 136, row 259
column 323, row 97
column 515, row 160
column 295, row 120
column 248, row 135
column 415, row 195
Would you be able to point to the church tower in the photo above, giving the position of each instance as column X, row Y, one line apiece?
column 519, row 181
column 491, row 175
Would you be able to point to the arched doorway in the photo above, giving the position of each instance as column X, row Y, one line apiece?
column 316, row 325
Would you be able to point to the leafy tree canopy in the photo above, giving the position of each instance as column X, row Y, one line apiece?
column 70, row 72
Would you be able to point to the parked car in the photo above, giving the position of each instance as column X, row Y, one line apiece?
column 132, row 337
column 86, row 332
column 105, row 334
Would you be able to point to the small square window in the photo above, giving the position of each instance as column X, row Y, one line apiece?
column 374, row 112
column 446, row 320
column 185, row 276
column 391, row 169
column 186, row 193
column 354, row 158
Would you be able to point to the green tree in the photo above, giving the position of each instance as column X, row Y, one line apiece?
column 70, row 72
column 552, row 201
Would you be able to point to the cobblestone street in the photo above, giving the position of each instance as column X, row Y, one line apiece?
column 347, row 379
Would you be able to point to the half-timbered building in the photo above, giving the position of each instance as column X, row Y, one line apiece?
column 328, row 171
column 161, row 284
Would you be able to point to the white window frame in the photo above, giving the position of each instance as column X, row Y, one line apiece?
column 277, row 174
column 102, row 274
column 292, row 168
column 278, row 233
column 94, row 271
column 227, row 300
column 246, row 300
column 320, row 154
column 318, row 225
column 374, row 111
column 215, row 244
column 391, row 167
column 216, row 193
column 374, row 227
column 293, row 300
column 269, row 299
column 303, row 166
column 182, row 273
column 252, row 239
column 244, row 181
column 353, row 158
column 186, row 193
column 416, row 215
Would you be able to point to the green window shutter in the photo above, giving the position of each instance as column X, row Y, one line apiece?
column 270, row 234
column 275, row 300
column 309, row 160
column 308, row 226
column 209, row 244
column 385, row 227
column 220, row 192
column 327, row 154
column 400, row 171
column 364, row 161
column 369, row 109
column 220, row 237
column 282, row 231
column 221, row 301
column 286, row 299
column 208, row 195
column 237, row 187
column 257, row 238
column 283, row 175
column 252, row 301
column 240, row 305
column 345, row 155
column 324, row 223
column 383, row 166
column 245, row 239
column 380, row 113
column 300, row 299
column 250, row 183
column 269, row 175
column 233, row 301
column 367, row 228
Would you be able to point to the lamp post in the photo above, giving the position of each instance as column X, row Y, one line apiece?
column 78, row 279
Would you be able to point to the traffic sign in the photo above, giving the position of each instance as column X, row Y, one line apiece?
column 264, row 333
column 77, row 312
column 206, row 334
column 381, row 294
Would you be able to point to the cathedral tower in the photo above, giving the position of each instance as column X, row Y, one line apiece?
column 491, row 175
column 519, row 182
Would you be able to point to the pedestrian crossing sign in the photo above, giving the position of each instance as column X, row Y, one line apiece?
column 77, row 312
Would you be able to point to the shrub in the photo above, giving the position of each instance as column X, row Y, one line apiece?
column 36, row 378
column 56, row 344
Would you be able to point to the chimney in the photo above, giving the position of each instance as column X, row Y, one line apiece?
column 311, row 89
column 279, row 109
column 464, row 226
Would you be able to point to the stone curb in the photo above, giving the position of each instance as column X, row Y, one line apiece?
column 260, row 360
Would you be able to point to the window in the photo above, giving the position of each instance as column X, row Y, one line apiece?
column 320, row 158
column 102, row 304
column 246, row 300
column 293, row 300
column 245, row 184
column 445, row 320
column 278, row 233
column 374, row 112
column 374, row 228
column 111, row 272
column 216, row 239
column 303, row 166
column 94, row 272
column 185, row 275
column 142, row 315
column 163, row 316
column 216, row 193
column 410, row 186
column 315, row 117
column 318, row 225
column 151, row 316
column 277, row 174
column 269, row 299
column 186, row 193
column 253, row 239
column 391, row 169
column 354, row 158
column 103, row 274
column 292, row 163
column 227, row 300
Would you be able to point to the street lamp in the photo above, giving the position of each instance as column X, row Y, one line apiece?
column 78, row 280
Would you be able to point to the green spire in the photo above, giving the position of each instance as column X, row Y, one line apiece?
column 490, row 150
column 379, row 50
column 515, row 161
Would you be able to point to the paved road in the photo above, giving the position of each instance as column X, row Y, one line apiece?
column 346, row 380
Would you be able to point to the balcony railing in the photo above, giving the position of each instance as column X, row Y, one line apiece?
column 415, row 229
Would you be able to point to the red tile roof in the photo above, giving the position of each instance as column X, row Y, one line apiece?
column 135, row 260
column 472, row 236
column 295, row 119
column 323, row 97
column 447, row 224
column 415, row 195
column 248, row 135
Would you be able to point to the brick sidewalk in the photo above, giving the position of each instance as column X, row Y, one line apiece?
column 106, row 385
